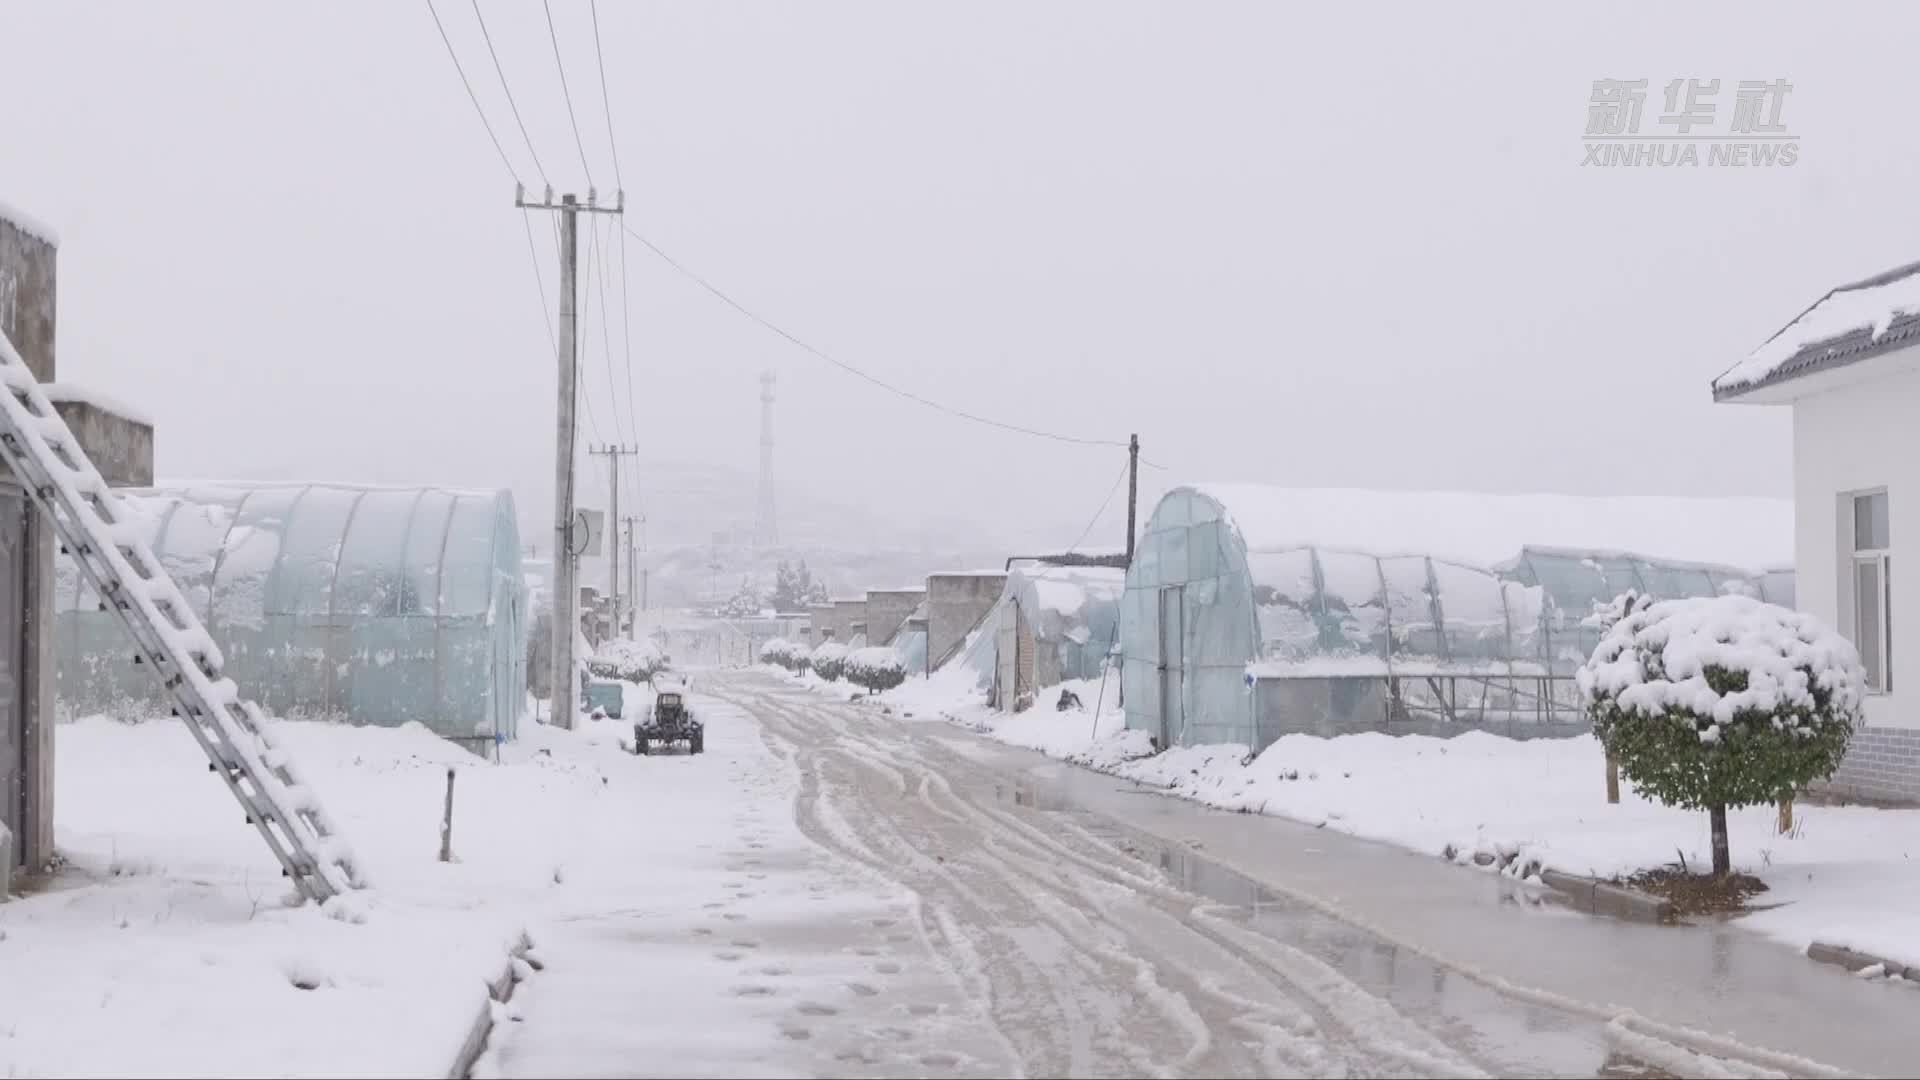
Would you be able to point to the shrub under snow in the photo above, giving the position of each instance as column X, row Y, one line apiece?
column 787, row 654
column 1724, row 701
column 634, row 661
column 876, row 667
column 829, row 660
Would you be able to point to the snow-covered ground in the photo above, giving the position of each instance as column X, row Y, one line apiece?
column 1845, row 874
column 164, row 947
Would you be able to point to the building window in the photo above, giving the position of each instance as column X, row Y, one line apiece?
column 1872, row 588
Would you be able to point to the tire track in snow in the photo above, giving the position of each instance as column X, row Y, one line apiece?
column 1267, row 1026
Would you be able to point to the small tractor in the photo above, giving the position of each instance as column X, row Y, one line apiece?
column 670, row 721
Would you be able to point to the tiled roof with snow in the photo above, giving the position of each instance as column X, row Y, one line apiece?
column 1853, row 322
column 1483, row 529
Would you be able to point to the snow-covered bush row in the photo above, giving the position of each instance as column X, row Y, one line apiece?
column 787, row 654
column 876, row 668
column 634, row 661
column 1727, row 701
column 829, row 660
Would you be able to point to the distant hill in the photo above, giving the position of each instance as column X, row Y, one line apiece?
column 699, row 532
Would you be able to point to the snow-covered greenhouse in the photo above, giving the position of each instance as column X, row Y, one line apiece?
column 1252, row 612
column 372, row 605
column 1051, row 624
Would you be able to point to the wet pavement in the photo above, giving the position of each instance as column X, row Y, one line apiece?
column 1107, row 930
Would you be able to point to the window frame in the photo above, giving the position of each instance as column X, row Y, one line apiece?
column 1881, row 559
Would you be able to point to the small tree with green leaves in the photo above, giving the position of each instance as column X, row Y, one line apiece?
column 1721, row 702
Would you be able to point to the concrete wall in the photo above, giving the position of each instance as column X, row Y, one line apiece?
column 28, row 265
column 1850, row 437
column 821, row 626
column 121, row 447
column 887, row 609
column 850, row 618
column 955, row 602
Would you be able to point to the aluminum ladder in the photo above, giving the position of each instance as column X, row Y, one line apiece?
column 113, row 556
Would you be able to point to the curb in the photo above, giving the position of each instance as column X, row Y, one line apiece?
column 499, row 989
column 1605, row 898
column 1854, row 961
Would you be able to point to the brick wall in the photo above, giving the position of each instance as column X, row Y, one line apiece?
column 1882, row 764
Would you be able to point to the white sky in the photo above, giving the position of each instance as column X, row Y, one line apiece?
column 1311, row 245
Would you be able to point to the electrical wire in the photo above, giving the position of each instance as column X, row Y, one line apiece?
column 471, row 96
column 606, row 349
column 566, row 93
column 511, row 104
column 620, row 183
column 605, row 100
column 803, row 346
column 1088, row 531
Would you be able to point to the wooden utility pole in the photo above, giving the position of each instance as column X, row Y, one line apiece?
column 566, row 592
column 613, row 454
column 1133, row 490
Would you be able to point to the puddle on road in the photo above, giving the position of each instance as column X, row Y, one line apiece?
column 1510, row 1037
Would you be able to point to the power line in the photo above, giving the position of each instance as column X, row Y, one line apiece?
column 778, row 331
column 626, row 314
column 565, row 93
column 586, row 399
column 605, row 100
column 606, row 349
column 471, row 96
column 1088, row 531
column 553, row 343
column 511, row 104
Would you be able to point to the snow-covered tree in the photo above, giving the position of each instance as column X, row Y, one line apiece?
column 1725, row 701
column 829, row 660
column 876, row 667
column 634, row 661
column 794, row 587
column 745, row 603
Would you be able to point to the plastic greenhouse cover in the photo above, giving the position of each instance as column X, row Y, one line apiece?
column 331, row 599
column 1487, row 529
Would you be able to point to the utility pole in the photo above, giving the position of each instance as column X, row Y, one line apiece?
column 566, row 593
column 613, row 454
column 1133, row 490
column 633, row 567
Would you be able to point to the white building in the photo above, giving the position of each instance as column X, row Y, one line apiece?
column 1849, row 369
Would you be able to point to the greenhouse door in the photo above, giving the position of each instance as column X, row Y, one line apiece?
column 1173, row 661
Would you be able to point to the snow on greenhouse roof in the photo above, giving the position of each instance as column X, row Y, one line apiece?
column 1850, row 323
column 1065, row 590
column 1485, row 529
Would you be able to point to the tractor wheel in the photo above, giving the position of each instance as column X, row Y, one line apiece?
column 640, row 746
column 696, row 742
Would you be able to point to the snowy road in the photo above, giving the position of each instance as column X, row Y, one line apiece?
column 888, row 898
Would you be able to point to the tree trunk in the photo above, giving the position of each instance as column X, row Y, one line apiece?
column 1613, row 779
column 1722, row 861
column 1785, row 824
